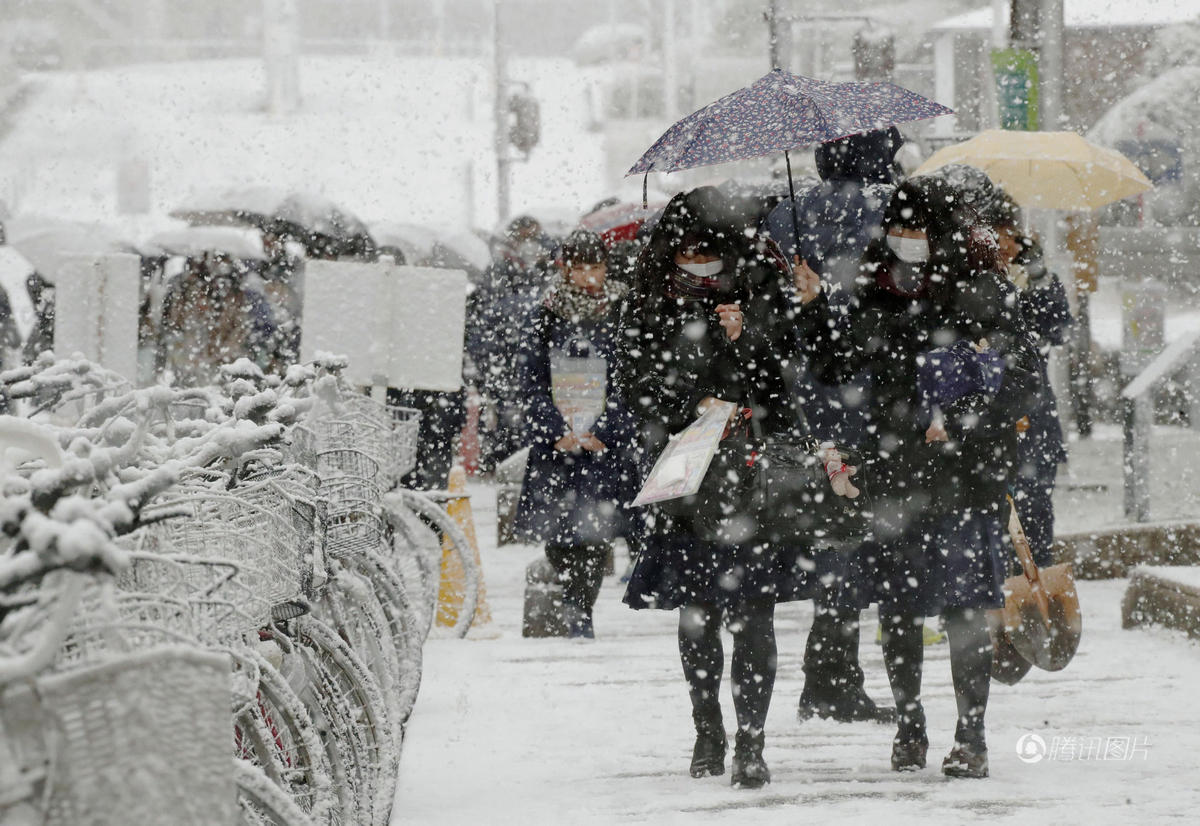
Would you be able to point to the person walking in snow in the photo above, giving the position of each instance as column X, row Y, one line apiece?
column 1044, row 306
column 580, row 471
column 939, row 477
column 836, row 220
column 706, row 322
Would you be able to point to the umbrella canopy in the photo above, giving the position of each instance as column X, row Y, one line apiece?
column 195, row 242
column 254, row 206
column 319, row 215
column 422, row 246
column 43, row 242
column 779, row 112
column 620, row 221
column 1047, row 170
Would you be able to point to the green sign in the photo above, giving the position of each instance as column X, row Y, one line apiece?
column 1016, row 72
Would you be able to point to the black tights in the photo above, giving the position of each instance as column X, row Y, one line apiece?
column 753, row 667
column 970, row 669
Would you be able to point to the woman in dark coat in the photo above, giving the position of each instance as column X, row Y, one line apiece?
column 1047, row 312
column 938, row 482
column 581, row 469
column 706, row 321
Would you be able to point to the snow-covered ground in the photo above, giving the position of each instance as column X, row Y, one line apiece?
column 510, row 730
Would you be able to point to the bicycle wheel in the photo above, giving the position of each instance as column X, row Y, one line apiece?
column 347, row 706
column 350, row 606
column 275, row 732
column 416, row 557
column 402, row 625
column 261, row 802
column 436, row 516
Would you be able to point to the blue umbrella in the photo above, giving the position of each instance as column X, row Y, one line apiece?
column 780, row 112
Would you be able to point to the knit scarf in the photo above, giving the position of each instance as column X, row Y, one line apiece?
column 576, row 304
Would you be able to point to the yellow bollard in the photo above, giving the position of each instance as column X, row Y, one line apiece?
column 452, row 587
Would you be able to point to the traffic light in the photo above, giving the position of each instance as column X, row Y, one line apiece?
column 525, row 121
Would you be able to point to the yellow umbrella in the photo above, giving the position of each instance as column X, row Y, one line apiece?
column 1047, row 170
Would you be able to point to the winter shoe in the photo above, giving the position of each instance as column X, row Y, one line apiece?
column 851, row 706
column 909, row 752
column 911, row 744
column 749, row 769
column 966, row 761
column 578, row 622
column 708, row 755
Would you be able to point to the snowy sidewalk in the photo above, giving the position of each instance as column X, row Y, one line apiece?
column 509, row 730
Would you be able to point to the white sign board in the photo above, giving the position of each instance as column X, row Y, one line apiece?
column 96, row 310
column 399, row 326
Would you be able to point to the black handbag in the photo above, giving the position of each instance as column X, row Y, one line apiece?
column 794, row 501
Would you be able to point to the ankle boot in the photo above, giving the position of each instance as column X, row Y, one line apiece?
column 708, row 755
column 911, row 744
column 749, row 769
column 966, row 761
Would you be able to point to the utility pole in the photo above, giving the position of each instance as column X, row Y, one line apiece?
column 779, row 33
column 1050, row 65
column 670, row 63
column 500, row 71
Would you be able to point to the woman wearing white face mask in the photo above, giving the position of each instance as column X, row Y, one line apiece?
column 939, row 485
column 706, row 322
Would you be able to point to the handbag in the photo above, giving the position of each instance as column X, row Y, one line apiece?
column 795, row 503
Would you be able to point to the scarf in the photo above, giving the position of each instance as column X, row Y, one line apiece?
column 573, row 303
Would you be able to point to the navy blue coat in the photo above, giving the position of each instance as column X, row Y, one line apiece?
column 572, row 498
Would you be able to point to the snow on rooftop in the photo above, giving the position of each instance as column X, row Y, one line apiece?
column 1090, row 14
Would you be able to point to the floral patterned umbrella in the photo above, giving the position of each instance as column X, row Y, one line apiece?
column 779, row 112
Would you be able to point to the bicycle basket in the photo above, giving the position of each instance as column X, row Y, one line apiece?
column 142, row 739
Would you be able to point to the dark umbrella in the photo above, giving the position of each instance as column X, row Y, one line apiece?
column 780, row 112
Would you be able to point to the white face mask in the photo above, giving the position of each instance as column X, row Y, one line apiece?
column 706, row 270
column 909, row 250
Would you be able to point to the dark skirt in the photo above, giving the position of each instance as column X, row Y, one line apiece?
column 679, row 569
column 954, row 560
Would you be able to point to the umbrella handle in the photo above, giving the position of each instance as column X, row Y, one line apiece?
column 787, row 158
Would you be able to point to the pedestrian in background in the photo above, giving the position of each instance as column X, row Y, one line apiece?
column 1047, row 313
column 581, row 472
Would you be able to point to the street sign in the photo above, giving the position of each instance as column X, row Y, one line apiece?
column 1016, row 72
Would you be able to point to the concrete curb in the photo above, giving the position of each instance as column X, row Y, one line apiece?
column 1112, row 552
column 1155, row 598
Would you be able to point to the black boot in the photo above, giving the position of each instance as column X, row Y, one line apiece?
column 911, row 744
column 853, row 705
column 966, row 761
column 749, row 769
column 708, row 755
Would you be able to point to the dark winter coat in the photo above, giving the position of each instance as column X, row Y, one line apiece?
column 675, row 354
column 887, row 332
column 572, row 498
column 1047, row 312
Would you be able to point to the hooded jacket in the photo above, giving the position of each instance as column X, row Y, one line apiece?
column 838, row 217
